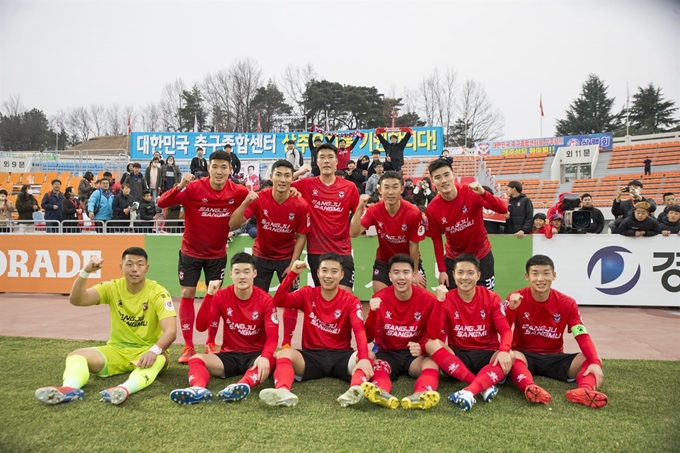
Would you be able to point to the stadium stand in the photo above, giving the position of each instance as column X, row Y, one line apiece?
column 662, row 153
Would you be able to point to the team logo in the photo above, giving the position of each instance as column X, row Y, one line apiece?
column 231, row 201
column 120, row 303
column 337, row 313
column 376, row 272
column 465, row 209
column 275, row 318
column 482, row 313
column 230, row 312
column 291, row 216
column 380, row 224
column 181, row 275
column 456, row 315
column 313, row 304
column 614, row 270
column 168, row 305
column 145, row 306
column 573, row 142
column 557, row 317
column 315, row 192
column 417, row 315
column 526, row 315
column 403, row 227
column 388, row 314
column 255, row 315
column 341, row 194
column 444, row 221
column 204, row 200
column 421, row 230
column 265, row 212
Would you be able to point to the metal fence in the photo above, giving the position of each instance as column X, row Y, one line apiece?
column 160, row 226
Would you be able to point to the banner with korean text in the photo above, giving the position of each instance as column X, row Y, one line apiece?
column 542, row 145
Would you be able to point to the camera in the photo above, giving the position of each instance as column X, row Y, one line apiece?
column 134, row 206
column 625, row 189
column 574, row 221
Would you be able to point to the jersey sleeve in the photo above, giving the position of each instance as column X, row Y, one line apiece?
column 356, row 319
column 173, row 197
column 105, row 291
column 252, row 208
column 370, row 325
column 494, row 203
column 417, row 234
column 162, row 303
column 208, row 311
column 304, row 220
column 271, row 328
column 367, row 218
column 296, row 299
column 501, row 323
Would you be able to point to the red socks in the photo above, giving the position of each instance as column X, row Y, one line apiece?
column 284, row 373
column 585, row 382
column 381, row 375
column 452, row 365
column 290, row 317
column 187, row 315
column 487, row 376
column 199, row 376
column 428, row 380
column 212, row 329
column 521, row 375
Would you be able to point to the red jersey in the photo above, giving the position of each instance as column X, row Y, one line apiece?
column 476, row 324
column 277, row 225
column 539, row 326
column 462, row 222
column 396, row 323
column 394, row 232
column 206, row 216
column 330, row 208
column 249, row 325
column 344, row 155
column 328, row 324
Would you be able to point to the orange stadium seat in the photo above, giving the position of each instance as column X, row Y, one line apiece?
column 3, row 178
column 14, row 178
column 50, row 176
column 38, row 177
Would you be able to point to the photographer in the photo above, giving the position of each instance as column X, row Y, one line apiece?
column 422, row 194
column 622, row 209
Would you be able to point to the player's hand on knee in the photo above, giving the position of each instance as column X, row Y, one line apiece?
column 147, row 360
column 374, row 303
column 595, row 370
column 415, row 349
column 514, row 300
column 440, row 292
column 365, row 366
column 505, row 360
column 262, row 366
column 214, row 286
column 94, row 264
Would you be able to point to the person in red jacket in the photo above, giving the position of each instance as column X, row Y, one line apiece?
column 541, row 315
column 251, row 334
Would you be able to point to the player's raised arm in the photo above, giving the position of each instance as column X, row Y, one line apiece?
column 355, row 227
column 237, row 218
column 80, row 295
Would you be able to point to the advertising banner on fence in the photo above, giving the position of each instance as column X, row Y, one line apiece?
column 426, row 142
column 615, row 270
column 542, row 145
column 49, row 263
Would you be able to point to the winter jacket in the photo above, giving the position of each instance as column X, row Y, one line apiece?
column 85, row 188
column 102, row 200
column 68, row 208
column 50, row 199
column 596, row 220
column 666, row 225
column 395, row 151
column 626, row 208
column 137, row 186
column 25, row 207
column 630, row 225
column 120, row 203
column 521, row 211
column 198, row 164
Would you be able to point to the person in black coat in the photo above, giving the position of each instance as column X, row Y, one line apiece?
column 520, row 215
column 198, row 166
column 641, row 224
column 624, row 208
column 122, row 207
column 234, row 160
column 354, row 175
column 670, row 225
column 71, row 210
column 52, row 203
column 596, row 216
column 393, row 148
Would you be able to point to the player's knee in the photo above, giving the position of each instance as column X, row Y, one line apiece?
column 433, row 346
column 520, row 356
column 189, row 292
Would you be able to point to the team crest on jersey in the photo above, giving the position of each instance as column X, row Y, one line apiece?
column 360, row 314
column 444, row 221
column 526, row 315
column 181, row 275
column 388, row 314
column 204, row 200
column 421, row 230
column 275, row 318
column 417, row 315
column 315, row 192
column 557, row 317
column 380, row 224
column 291, row 216
column 230, row 312
column 145, row 306
column 313, row 304
column 341, row 194
column 255, row 315
column 403, row 227
column 265, row 212
column 168, row 305
column 120, row 303
column 231, row 201
column 456, row 315
column 482, row 313
column 465, row 209
column 337, row 313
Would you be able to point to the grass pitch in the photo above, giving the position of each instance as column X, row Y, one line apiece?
column 643, row 415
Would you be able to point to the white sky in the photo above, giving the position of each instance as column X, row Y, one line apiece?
column 60, row 54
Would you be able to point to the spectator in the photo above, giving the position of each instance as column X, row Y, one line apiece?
column 345, row 152
column 648, row 166
column 596, row 216
column 624, row 208
column 312, row 150
column 199, row 166
column 373, row 181
column 491, row 226
column 362, row 164
column 374, row 161
column 233, row 158
column 72, row 212
column 557, row 223
column 51, row 203
column 6, row 209
column 137, row 183
column 157, row 155
column 26, row 206
column 146, row 214
column 445, row 156
column 393, row 149
column 668, row 201
column 86, row 186
column 408, row 189
column 423, row 194
column 293, row 155
column 388, row 165
column 122, row 208
column 126, row 174
column 154, row 178
column 540, row 226
column 520, row 216
column 641, row 224
column 354, row 175
column 100, row 205
column 174, row 216
column 114, row 185
column 170, row 174
column 670, row 225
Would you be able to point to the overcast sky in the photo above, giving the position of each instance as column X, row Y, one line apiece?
column 60, row 54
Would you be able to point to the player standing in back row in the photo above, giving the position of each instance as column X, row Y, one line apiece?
column 208, row 205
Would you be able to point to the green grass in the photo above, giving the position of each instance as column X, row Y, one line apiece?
column 643, row 415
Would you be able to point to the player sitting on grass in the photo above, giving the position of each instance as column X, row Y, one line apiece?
column 473, row 318
column 331, row 314
column 402, row 318
column 251, row 333
column 540, row 315
column 143, row 326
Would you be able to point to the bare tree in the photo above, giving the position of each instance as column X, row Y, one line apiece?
column 295, row 81
column 484, row 122
column 78, row 125
column 129, row 114
column 438, row 98
column 171, row 102
column 13, row 106
column 216, row 91
column 98, row 119
column 150, row 117
column 113, row 119
column 245, row 77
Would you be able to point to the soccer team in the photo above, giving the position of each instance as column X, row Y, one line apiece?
column 463, row 329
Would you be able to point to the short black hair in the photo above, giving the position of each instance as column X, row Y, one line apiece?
column 540, row 215
column 136, row 165
column 242, row 257
column 586, row 195
column 516, row 185
column 219, row 155
column 540, row 260
column 88, row 175
column 674, row 207
column 55, row 180
column 667, row 194
column 290, row 142
column 108, row 174
column 351, row 161
column 227, row 145
column 379, row 164
column 390, row 174
column 330, row 256
column 327, row 146
column 375, row 151
column 466, row 258
column 437, row 164
column 401, row 258
column 317, row 139
column 135, row 251
column 283, row 163
column 146, row 192
column 342, row 140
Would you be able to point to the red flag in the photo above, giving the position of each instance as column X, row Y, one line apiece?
column 540, row 104
column 129, row 126
column 259, row 126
